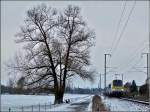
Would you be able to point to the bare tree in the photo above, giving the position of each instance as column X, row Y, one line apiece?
column 56, row 48
column 11, row 83
column 20, row 83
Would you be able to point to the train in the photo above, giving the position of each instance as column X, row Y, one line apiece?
column 115, row 89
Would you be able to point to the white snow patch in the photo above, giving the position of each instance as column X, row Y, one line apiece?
column 13, row 101
column 114, row 104
column 90, row 105
column 69, row 107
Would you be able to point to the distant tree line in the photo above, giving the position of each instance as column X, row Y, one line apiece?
column 82, row 90
column 16, row 90
column 132, row 90
column 144, row 90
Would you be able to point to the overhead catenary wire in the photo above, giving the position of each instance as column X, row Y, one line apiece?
column 123, row 29
column 136, row 70
column 129, row 63
column 138, row 49
column 113, row 49
column 133, row 56
column 137, row 62
column 118, row 25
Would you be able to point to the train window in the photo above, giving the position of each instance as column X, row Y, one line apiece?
column 117, row 83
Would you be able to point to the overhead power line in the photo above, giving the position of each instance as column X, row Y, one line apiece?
column 133, row 57
column 137, row 62
column 114, row 47
column 118, row 25
column 135, row 68
column 124, row 27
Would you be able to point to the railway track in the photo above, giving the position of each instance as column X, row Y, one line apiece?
column 137, row 101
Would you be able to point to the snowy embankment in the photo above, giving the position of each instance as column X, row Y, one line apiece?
column 80, row 104
column 114, row 104
column 13, row 101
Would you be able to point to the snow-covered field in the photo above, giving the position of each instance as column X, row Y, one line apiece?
column 13, row 101
column 114, row 104
column 79, row 102
column 78, row 105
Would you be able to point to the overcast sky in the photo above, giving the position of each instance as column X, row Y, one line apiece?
column 103, row 18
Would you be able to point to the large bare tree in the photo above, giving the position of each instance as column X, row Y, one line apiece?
column 56, row 48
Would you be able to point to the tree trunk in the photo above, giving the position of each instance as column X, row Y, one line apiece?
column 59, row 96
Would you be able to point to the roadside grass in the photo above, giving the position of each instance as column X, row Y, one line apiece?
column 97, row 104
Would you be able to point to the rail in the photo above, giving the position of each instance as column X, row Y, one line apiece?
column 137, row 101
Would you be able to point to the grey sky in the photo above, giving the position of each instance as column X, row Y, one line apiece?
column 101, row 16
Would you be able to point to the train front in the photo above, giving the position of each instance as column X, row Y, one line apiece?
column 117, row 88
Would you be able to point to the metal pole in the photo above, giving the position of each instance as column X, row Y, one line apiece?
column 100, row 81
column 22, row 109
column 99, row 84
column 149, row 55
column 105, row 73
column 45, row 107
column 147, row 64
column 105, row 69
column 39, row 107
column 50, row 105
column 122, row 78
column 9, row 109
column 32, row 108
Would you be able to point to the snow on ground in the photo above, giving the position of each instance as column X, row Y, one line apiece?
column 76, row 103
column 14, row 101
column 114, row 104
column 90, row 105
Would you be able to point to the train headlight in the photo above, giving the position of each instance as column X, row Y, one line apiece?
column 113, row 89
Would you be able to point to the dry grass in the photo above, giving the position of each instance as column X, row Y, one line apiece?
column 97, row 105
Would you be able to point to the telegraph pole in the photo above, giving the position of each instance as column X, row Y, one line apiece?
column 105, row 66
